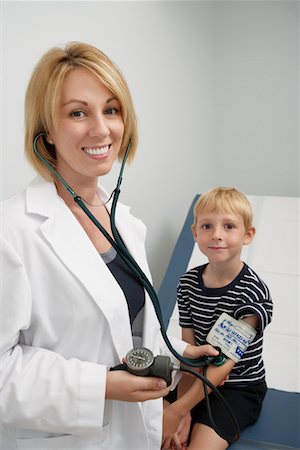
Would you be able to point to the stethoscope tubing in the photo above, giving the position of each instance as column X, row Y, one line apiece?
column 122, row 250
column 118, row 244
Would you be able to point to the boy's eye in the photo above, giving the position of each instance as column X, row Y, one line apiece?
column 229, row 226
column 206, row 226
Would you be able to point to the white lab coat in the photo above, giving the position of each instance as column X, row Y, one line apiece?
column 63, row 321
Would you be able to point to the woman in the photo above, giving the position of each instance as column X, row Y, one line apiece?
column 70, row 308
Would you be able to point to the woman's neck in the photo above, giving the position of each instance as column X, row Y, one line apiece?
column 87, row 190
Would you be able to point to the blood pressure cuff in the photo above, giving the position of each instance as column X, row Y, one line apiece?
column 232, row 336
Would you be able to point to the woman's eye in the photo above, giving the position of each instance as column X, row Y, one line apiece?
column 77, row 114
column 111, row 111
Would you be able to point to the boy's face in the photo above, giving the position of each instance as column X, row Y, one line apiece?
column 221, row 235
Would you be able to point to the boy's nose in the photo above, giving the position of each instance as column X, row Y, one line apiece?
column 217, row 233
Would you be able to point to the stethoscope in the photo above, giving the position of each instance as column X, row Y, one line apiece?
column 118, row 244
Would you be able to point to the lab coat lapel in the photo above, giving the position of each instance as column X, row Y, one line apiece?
column 73, row 247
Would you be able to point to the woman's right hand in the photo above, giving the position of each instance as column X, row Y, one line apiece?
column 121, row 385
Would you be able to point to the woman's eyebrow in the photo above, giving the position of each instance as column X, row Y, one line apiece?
column 75, row 100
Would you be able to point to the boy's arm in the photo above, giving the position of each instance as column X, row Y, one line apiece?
column 184, row 385
column 215, row 374
column 187, row 380
column 252, row 320
column 171, row 418
column 173, row 415
column 192, row 392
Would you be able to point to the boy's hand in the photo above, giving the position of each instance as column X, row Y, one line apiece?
column 182, row 436
column 197, row 351
column 171, row 421
column 175, row 443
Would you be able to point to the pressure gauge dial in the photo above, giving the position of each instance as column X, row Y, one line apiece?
column 139, row 360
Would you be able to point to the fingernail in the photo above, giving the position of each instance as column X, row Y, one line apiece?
column 162, row 384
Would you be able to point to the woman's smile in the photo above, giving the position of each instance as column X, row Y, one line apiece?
column 96, row 152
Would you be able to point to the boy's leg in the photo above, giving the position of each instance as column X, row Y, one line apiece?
column 205, row 438
column 246, row 406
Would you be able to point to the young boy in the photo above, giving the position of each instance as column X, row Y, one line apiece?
column 222, row 226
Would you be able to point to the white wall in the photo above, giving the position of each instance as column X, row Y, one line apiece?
column 216, row 91
column 257, row 96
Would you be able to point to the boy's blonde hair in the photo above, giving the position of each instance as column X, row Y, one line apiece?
column 225, row 199
column 44, row 94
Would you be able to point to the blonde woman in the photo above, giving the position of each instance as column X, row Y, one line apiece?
column 70, row 308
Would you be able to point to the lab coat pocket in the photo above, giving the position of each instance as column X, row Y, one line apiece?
column 66, row 442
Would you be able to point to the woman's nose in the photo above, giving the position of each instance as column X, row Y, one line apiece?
column 99, row 127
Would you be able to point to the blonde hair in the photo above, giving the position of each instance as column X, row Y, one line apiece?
column 225, row 199
column 44, row 91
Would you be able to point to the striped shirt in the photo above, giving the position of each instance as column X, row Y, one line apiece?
column 199, row 308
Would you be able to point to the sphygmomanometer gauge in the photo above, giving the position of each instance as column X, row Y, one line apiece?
column 139, row 360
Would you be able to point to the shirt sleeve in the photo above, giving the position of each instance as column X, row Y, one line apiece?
column 256, row 300
column 185, row 319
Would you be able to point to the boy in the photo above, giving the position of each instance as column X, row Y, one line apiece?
column 222, row 225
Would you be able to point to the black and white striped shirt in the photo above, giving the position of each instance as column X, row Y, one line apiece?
column 199, row 308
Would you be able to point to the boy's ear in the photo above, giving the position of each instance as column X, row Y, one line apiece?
column 193, row 227
column 249, row 235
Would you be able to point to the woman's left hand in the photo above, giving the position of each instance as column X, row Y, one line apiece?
column 197, row 351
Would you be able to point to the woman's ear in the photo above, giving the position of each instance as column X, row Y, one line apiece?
column 249, row 235
column 49, row 140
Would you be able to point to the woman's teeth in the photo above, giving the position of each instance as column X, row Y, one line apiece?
column 96, row 151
